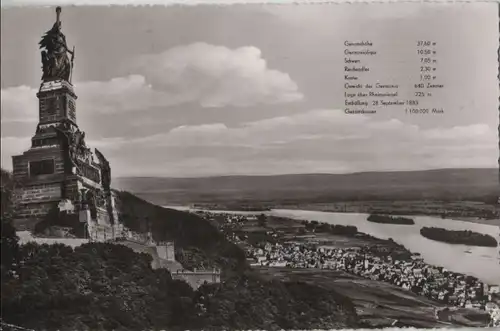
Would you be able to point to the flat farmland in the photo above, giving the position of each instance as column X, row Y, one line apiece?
column 380, row 304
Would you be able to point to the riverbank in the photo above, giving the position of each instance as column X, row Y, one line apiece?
column 379, row 304
column 480, row 262
column 469, row 211
column 233, row 207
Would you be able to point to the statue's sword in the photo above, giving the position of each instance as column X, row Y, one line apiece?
column 72, row 60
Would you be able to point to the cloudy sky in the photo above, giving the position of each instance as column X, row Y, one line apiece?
column 255, row 89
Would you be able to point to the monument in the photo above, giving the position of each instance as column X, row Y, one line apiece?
column 61, row 181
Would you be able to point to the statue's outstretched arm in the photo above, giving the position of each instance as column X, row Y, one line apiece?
column 66, row 46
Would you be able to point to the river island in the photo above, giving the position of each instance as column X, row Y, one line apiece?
column 387, row 219
column 466, row 237
column 356, row 264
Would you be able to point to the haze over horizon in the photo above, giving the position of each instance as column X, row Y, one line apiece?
column 204, row 91
column 311, row 173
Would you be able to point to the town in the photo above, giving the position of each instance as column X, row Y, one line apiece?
column 413, row 274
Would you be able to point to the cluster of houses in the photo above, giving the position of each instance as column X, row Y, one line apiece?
column 433, row 282
column 415, row 275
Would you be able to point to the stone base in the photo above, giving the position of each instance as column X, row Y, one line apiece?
column 55, row 201
column 102, row 233
column 30, row 215
column 41, row 201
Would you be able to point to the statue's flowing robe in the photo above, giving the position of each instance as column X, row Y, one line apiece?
column 55, row 61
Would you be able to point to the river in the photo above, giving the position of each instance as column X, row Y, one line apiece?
column 480, row 262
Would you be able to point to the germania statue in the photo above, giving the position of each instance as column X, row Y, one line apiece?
column 55, row 62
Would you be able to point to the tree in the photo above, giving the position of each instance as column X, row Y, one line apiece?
column 9, row 241
column 9, row 246
column 262, row 220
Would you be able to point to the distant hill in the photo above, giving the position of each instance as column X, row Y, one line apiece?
column 442, row 184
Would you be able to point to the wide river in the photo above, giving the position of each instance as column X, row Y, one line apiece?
column 481, row 262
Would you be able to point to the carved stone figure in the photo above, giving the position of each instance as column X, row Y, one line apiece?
column 90, row 200
column 78, row 142
column 82, row 198
column 106, row 184
column 105, row 170
column 55, row 62
column 100, row 199
column 72, row 149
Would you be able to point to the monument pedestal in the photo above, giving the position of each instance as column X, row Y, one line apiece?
column 59, row 177
column 58, row 167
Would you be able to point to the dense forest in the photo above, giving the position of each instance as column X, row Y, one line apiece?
column 458, row 237
column 193, row 236
column 103, row 286
column 387, row 219
column 109, row 287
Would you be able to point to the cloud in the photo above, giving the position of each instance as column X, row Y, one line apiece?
column 122, row 95
column 13, row 146
column 204, row 128
column 472, row 131
column 313, row 141
column 218, row 76
column 211, row 76
column 118, row 95
column 19, row 104
column 323, row 140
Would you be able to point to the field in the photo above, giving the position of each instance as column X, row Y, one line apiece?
column 443, row 184
column 377, row 303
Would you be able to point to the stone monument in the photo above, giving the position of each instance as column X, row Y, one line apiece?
column 61, row 181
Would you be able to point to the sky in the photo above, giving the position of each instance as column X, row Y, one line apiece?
column 206, row 90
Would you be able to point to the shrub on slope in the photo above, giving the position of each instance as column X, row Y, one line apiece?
column 101, row 286
column 94, row 287
column 9, row 241
column 250, row 302
column 109, row 287
column 191, row 233
column 7, row 186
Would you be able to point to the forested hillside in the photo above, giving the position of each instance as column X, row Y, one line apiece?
column 193, row 236
column 103, row 286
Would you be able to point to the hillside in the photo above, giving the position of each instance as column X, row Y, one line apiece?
column 198, row 243
column 443, row 184
column 103, row 286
